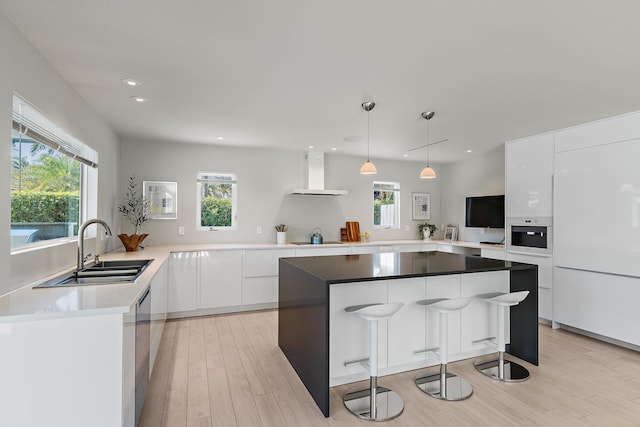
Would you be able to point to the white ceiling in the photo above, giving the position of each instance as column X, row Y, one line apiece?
column 293, row 73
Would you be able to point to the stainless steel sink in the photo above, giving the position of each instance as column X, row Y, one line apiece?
column 102, row 273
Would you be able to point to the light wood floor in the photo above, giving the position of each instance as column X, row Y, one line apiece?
column 227, row 370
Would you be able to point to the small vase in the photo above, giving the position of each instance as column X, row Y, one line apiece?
column 425, row 235
column 131, row 242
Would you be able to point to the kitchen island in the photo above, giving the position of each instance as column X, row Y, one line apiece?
column 317, row 337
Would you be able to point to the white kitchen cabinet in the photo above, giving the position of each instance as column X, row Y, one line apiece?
column 545, row 281
column 493, row 253
column 220, row 279
column 260, row 275
column 183, row 281
column 371, row 249
column 457, row 249
column 422, row 247
column 443, row 287
column 407, row 332
column 264, row 262
column 158, row 310
column 311, row 250
column 603, row 304
column 413, row 328
column 529, row 176
column 69, row 371
column 349, row 332
column 479, row 319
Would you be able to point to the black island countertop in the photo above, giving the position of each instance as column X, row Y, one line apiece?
column 303, row 302
column 397, row 265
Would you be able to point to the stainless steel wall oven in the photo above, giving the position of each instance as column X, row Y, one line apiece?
column 530, row 235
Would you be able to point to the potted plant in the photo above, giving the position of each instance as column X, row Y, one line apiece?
column 134, row 209
column 426, row 230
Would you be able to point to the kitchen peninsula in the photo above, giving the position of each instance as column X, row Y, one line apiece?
column 318, row 337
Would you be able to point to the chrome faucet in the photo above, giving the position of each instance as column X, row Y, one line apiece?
column 81, row 238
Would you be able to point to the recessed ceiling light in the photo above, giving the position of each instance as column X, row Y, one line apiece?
column 468, row 151
column 220, row 138
column 311, row 146
column 333, row 149
column 405, row 155
column 139, row 99
column 131, row 82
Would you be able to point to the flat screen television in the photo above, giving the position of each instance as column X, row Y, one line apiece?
column 485, row 212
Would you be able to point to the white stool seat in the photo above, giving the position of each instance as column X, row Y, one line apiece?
column 503, row 299
column 373, row 403
column 375, row 311
column 444, row 385
column 501, row 369
column 445, row 305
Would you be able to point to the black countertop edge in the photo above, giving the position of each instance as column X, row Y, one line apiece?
column 335, row 269
column 409, row 276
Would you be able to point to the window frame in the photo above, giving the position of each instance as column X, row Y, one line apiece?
column 378, row 186
column 234, row 201
column 27, row 120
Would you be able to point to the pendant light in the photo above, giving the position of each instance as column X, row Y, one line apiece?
column 428, row 172
column 368, row 168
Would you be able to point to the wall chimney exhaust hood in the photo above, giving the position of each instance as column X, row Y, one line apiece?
column 314, row 177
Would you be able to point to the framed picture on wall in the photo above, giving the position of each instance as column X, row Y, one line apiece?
column 421, row 206
column 450, row 233
column 162, row 198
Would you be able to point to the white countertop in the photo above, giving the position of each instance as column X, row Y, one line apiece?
column 26, row 303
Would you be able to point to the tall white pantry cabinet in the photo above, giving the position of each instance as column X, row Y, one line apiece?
column 529, row 165
column 597, row 227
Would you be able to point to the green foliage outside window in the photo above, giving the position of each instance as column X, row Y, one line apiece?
column 215, row 212
column 45, row 191
column 35, row 206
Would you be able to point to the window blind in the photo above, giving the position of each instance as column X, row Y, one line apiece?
column 28, row 121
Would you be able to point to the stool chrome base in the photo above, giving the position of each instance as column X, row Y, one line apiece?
column 388, row 404
column 455, row 387
column 508, row 372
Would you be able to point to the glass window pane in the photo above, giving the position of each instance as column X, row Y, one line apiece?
column 217, row 194
column 45, row 192
column 386, row 204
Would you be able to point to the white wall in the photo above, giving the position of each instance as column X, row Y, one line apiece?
column 27, row 73
column 263, row 178
column 480, row 176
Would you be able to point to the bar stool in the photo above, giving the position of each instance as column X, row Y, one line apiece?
column 499, row 369
column 444, row 385
column 373, row 403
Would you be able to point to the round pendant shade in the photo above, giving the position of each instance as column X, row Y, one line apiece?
column 427, row 173
column 368, row 168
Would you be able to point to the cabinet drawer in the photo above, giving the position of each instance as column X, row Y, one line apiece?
column 545, row 303
column 545, row 267
column 314, row 251
column 264, row 262
column 357, row 250
column 260, row 290
column 493, row 253
column 425, row 247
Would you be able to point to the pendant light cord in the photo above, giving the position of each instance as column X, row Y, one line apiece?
column 427, row 143
column 368, row 133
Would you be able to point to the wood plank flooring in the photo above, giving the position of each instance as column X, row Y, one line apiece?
column 227, row 370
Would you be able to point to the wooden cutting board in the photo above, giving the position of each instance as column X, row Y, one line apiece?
column 353, row 231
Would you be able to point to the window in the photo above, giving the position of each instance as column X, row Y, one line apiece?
column 386, row 204
column 217, row 201
column 49, row 170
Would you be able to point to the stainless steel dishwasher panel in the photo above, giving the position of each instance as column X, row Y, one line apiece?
column 143, row 341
